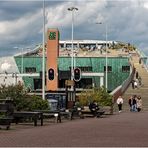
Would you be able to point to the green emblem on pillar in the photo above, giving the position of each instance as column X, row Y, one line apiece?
column 52, row 35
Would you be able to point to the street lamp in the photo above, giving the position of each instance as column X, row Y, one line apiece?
column 72, row 9
column 43, row 54
column 106, row 57
column 22, row 64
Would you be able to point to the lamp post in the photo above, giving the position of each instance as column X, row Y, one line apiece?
column 22, row 64
column 72, row 9
column 106, row 57
column 43, row 54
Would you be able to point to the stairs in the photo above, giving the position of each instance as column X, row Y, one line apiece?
column 142, row 90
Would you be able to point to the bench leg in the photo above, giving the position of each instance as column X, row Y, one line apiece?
column 7, row 127
column 41, row 121
column 99, row 114
column 58, row 119
column 35, row 121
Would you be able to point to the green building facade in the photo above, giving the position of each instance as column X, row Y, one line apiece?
column 118, row 70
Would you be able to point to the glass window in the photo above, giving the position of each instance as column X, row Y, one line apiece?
column 30, row 69
column 125, row 68
column 109, row 68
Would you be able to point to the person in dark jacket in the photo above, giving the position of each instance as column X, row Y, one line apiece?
column 137, row 75
column 133, row 86
column 130, row 102
column 93, row 106
column 134, row 103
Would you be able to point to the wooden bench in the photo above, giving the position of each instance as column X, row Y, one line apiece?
column 51, row 114
column 35, row 116
column 66, row 114
column 6, row 117
column 76, row 112
column 6, row 121
column 86, row 112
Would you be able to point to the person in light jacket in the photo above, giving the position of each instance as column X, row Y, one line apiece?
column 119, row 103
column 139, row 104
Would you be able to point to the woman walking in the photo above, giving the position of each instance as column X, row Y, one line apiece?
column 119, row 103
column 139, row 103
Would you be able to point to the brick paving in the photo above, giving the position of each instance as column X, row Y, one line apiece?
column 119, row 130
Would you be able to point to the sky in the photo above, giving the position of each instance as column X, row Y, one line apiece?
column 21, row 22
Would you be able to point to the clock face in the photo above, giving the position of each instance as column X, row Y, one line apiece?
column 52, row 35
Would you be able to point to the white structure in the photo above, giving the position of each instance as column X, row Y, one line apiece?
column 8, row 71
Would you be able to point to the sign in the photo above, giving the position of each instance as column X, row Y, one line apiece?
column 69, row 83
column 52, row 35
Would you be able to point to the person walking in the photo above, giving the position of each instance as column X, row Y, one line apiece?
column 132, row 82
column 135, row 84
column 130, row 102
column 140, row 81
column 139, row 103
column 137, row 75
column 119, row 103
column 134, row 103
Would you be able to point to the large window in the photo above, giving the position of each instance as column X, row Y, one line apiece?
column 30, row 69
column 85, row 69
column 125, row 68
column 85, row 83
column 109, row 68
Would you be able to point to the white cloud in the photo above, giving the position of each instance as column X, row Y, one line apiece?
column 88, row 11
column 146, row 5
column 127, row 21
column 18, row 28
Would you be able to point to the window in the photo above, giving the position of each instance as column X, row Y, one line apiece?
column 30, row 69
column 85, row 69
column 125, row 68
column 109, row 68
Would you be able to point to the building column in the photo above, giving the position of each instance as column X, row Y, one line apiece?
column 101, row 81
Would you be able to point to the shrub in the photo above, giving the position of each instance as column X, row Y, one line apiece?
column 98, row 94
column 20, row 98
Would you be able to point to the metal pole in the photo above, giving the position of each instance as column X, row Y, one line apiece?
column 43, row 54
column 72, row 58
column 74, row 62
column 106, row 82
column 72, row 53
column 22, row 65
column 106, row 58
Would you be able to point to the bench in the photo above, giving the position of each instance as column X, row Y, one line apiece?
column 76, row 112
column 6, row 111
column 51, row 114
column 6, row 121
column 86, row 112
column 35, row 116
column 66, row 114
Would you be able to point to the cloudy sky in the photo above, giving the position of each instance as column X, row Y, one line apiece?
column 21, row 22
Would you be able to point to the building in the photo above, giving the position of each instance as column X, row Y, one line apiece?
column 89, row 55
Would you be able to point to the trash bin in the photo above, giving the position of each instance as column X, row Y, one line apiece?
column 53, row 104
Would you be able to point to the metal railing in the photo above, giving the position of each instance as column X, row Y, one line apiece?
column 143, row 59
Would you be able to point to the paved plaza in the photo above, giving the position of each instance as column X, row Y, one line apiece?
column 124, row 129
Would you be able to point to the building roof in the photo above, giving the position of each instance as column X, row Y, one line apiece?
column 87, row 48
